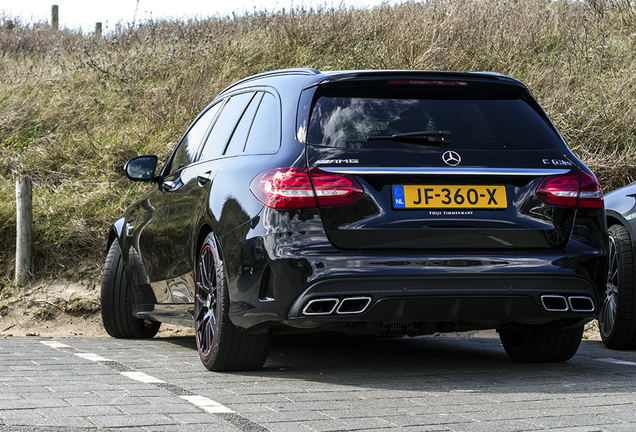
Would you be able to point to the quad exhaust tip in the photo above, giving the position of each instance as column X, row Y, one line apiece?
column 559, row 303
column 581, row 304
column 554, row 303
column 357, row 305
column 353, row 305
column 328, row 306
column 323, row 306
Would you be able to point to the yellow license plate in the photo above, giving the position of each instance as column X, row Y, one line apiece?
column 457, row 197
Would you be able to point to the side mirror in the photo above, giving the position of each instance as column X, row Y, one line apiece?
column 142, row 168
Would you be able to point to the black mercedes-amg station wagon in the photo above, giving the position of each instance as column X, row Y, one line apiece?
column 384, row 203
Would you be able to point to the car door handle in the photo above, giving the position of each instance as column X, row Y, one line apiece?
column 168, row 185
column 204, row 178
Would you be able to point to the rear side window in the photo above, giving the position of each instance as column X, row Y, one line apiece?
column 265, row 133
column 224, row 126
column 477, row 118
column 239, row 137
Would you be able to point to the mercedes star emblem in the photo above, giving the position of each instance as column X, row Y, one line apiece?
column 451, row 158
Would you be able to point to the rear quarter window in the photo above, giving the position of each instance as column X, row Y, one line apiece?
column 225, row 125
column 264, row 137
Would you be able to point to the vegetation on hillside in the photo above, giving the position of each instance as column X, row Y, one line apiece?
column 74, row 108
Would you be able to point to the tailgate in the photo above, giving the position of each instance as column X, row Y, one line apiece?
column 443, row 208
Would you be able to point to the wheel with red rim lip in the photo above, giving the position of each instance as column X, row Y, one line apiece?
column 221, row 345
column 617, row 318
column 205, row 301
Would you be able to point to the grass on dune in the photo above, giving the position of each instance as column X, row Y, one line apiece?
column 75, row 107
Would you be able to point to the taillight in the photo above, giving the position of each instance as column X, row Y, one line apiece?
column 285, row 189
column 291, row 188
column 335, row 189
column 578, row 189
column 591, row 193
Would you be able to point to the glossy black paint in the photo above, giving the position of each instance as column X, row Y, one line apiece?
column 425, row 269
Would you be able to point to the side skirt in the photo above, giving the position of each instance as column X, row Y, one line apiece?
column 178, row 314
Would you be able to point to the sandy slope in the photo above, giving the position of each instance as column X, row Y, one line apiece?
column 59, row 309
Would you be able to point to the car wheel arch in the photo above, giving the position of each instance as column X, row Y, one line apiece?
column 615, row 220
column 204, row 230
column 112, row 237
column 115, row 233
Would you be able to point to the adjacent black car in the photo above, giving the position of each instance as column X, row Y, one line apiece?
column 385, row 203
column 617, row 318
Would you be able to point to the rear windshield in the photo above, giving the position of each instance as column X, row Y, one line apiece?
column 477, row 117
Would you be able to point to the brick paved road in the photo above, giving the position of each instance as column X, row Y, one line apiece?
column 312, row 384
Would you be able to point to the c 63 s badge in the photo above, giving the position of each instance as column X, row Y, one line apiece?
column 557, row 162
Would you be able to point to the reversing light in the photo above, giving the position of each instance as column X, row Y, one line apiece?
column 300, row 188
column 576, row 189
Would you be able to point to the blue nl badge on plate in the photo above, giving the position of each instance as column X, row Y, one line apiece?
column 398, row 197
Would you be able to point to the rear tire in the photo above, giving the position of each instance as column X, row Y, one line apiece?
column 617, row 318
column 116, row 299
column 222, row 346
column 543, row 343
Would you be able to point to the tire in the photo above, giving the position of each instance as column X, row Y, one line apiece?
column 617, row 318
column 543, row 343
column 221, row 345
column 116, row 299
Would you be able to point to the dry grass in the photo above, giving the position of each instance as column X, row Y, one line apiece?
column 76, row 107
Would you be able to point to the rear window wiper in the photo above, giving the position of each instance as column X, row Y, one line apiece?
column 440, row 138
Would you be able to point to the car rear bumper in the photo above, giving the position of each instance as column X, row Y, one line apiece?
column 471, row 298
column 304, row 288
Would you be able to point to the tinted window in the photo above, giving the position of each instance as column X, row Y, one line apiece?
column 224, row 126
column 477, row 119
column 237, row 142
column 264, row 136
column 188, row 147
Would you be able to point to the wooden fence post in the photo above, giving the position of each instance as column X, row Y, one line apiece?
column 24, row 209
column 98, row 29
column 55, row 17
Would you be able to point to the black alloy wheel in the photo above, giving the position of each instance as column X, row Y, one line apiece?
column 221, row 345
column 205, row 307
column 617, row 318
